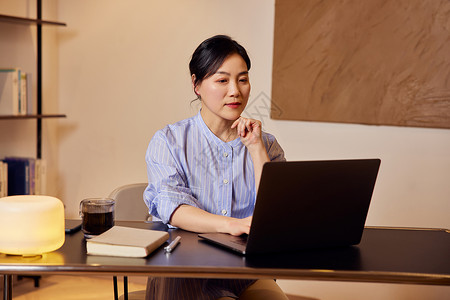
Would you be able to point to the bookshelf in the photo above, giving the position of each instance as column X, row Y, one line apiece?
column 11, row 117
column 28, row 21
column 38, row 22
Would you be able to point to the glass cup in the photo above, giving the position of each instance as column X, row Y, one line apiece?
column 97, row 216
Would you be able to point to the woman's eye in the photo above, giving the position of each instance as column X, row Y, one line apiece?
column 222, row 80
column 243, row 80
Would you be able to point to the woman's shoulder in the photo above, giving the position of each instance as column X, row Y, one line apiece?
column 175, row 130
column 178, row 126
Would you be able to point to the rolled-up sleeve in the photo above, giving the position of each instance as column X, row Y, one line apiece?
column 274, row 150
column 167, row 188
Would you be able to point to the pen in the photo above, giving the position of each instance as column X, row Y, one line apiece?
column 172, row 245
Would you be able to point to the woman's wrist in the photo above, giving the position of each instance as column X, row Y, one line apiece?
column 258, row 153
column 223, row 224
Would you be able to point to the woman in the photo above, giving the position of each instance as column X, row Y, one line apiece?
column 204, row 171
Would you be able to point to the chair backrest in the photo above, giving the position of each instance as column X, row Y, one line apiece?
column 130, row 204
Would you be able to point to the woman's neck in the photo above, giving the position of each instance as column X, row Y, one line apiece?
column 220, row 127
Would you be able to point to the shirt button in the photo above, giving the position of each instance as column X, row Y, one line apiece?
column 225, row 181
column 224, row 212
column 225, row 154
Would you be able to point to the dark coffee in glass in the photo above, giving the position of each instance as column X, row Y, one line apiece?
column 97, row 216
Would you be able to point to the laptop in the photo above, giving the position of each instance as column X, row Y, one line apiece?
column 307, row 204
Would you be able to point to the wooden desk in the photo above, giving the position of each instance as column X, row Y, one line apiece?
column 389, row 255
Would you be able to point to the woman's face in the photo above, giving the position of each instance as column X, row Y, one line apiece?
column 225, row 94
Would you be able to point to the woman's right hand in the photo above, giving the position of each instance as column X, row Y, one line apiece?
column 198, row 220
column 238, row 226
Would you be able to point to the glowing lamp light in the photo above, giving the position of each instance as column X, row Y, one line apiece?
column 31, row 224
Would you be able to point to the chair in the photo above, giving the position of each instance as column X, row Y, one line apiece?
column 130, row 206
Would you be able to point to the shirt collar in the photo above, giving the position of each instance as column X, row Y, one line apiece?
column 212, row 137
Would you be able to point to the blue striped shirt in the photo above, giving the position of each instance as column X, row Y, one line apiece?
column 188, row 164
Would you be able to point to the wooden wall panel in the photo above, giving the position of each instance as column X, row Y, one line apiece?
column 384, row 62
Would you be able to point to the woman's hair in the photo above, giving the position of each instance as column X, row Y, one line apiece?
column 210, row 55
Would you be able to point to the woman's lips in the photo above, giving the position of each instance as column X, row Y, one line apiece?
column 233, row 104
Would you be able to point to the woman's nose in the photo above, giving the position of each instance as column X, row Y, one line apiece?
column 233, row 90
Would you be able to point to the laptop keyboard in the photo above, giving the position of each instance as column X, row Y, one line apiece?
column 240, row 240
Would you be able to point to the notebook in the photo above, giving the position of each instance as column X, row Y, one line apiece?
column 307, row 204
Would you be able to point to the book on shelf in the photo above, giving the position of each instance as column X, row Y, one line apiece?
column 126, row 242
column 31, row 176
column 25, row 176
column 18, row 176
column 9, row 91
column 3, row 179
column 40, row 177
column 26, row 106
column 15, row 92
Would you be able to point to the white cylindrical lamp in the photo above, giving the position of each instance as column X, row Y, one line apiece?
column 31, row 224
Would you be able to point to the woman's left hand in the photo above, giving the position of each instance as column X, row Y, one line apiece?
column 249, row 130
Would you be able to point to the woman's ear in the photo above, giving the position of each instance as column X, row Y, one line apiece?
column 194, row 84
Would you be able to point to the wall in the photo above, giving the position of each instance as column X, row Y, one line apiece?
column 123, row 74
